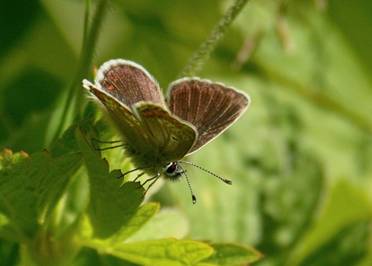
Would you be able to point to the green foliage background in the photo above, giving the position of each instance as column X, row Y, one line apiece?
column 300, row 158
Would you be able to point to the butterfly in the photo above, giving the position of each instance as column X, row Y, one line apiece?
column 158, row 133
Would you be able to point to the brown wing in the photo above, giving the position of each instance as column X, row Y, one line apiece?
column 210, row 107
column 128, row 125
column 128, row 82
column 170, row 136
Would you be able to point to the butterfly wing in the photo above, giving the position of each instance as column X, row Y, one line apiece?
column 128, row 82
column 129, row 126
column 210, row 107
column 171, row 137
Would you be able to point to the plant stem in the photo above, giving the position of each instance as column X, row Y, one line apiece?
column 198, row 59
column 88, row 46
column 88, row 51
column 86, row 19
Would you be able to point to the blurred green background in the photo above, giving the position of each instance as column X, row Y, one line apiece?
column 300, row 158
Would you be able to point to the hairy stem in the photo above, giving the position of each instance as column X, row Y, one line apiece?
column 198, row 59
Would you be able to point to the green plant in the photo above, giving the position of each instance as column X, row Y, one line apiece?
column 300, row 158
column 65, row 206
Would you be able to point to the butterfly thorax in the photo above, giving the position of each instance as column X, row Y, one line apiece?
column 153, row 165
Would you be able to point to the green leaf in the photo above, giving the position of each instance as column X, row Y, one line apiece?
column 30, row 187
column 347, row 247
column 165, row 252
column 233, row 255
column 167, row 223
column 71, row 208
column 90, row 257
column 112, row 205
column 141, row 217
column 347, row 204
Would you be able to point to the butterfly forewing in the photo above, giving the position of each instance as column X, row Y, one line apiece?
column 130, row 128
column 128, row 82
column 170, row 136
column 210, row 107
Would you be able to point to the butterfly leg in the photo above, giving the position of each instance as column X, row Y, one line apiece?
column 97, row 141
column 153, row 179
column 130, row 171
column 105, row 142
column 109, row 148
column 138, row 176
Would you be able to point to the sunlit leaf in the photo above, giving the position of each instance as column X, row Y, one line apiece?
column 166, row 223
column 165, row 252
column 89, row 257
column 233, row 255
column 140, row 218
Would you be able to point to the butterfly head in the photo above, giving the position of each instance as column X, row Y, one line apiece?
column 173, row 170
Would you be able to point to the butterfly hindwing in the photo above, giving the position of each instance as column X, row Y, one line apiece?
column 170, row 136
column 210, row 107
column 128, row 82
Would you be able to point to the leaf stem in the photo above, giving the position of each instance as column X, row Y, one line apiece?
column 198, row 59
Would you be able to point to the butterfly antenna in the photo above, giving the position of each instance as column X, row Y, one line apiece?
column 227, row 181
column 193, row 197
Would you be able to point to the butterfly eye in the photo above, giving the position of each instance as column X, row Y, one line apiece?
column 171, row 168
